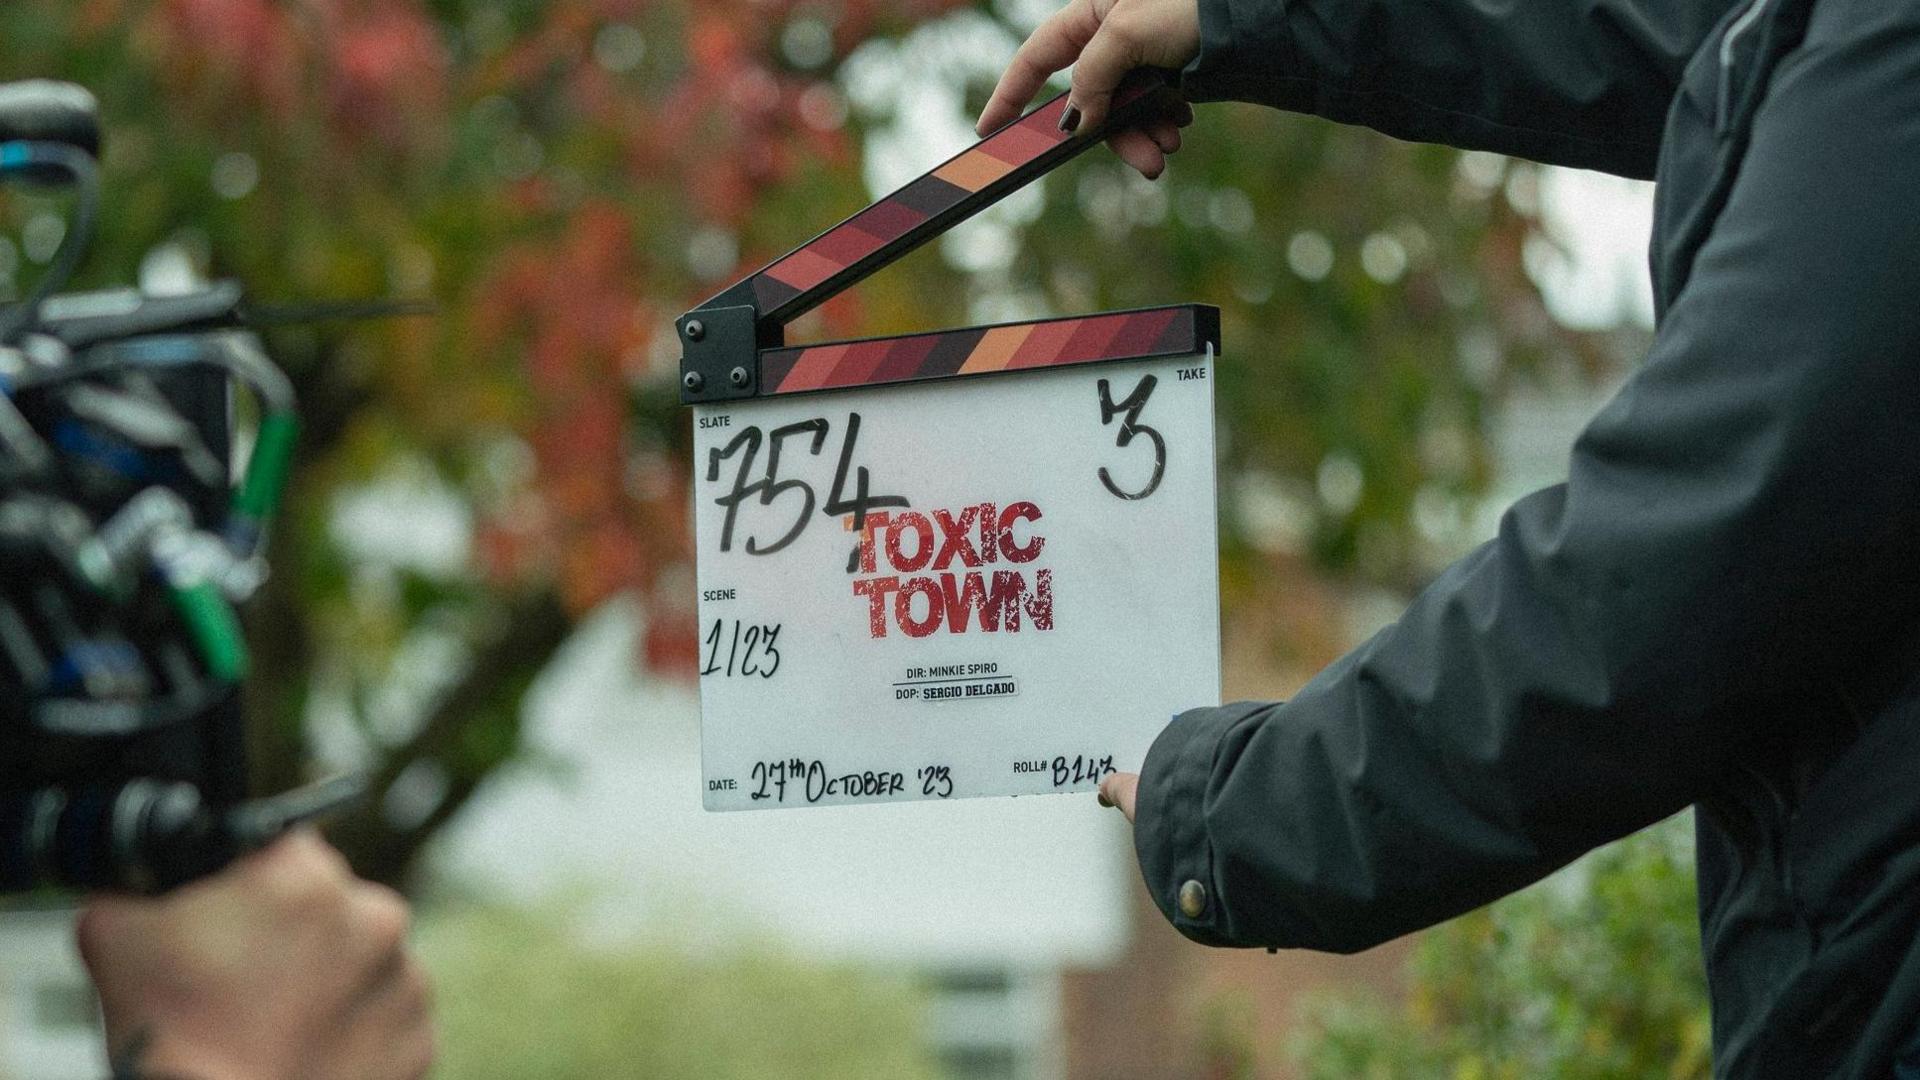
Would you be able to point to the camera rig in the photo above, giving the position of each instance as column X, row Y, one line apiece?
column 125, row 547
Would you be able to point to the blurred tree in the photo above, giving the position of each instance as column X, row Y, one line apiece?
column 1592, row 975
column 535, row 1002
column 565, row 176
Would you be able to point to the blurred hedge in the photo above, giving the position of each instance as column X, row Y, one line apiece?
column 522, row 996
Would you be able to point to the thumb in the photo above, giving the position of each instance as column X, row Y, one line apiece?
column 104, row 921
column 1107, row 58
column 1120, row 790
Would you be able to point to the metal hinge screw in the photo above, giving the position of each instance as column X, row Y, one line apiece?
column 696, row 329
column 738, row 377
column 693, row 381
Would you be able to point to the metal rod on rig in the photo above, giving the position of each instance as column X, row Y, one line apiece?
column 145, row 836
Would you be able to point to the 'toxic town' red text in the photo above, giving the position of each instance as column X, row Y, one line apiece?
column 936, row 580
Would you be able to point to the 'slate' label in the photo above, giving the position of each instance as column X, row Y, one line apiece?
column 992, row 586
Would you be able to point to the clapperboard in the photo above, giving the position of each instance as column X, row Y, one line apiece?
column 960, row 563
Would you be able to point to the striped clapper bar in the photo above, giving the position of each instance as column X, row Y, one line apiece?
column 734, row 344
column 1182, row 330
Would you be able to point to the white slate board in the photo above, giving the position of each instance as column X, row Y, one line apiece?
column 1041, row 606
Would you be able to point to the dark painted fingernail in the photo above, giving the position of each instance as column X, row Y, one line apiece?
column 1104, row 801
column 1070, row 120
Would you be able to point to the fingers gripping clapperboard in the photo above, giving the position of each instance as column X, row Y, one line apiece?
column 960, row 563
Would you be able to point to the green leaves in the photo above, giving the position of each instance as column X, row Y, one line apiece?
column 1594, row 974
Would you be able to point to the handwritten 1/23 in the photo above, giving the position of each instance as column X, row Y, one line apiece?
column 751, row 652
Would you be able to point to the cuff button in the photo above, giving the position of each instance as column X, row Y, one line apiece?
column 1193, row 899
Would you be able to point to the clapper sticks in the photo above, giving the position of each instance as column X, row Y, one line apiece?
column 734, row 344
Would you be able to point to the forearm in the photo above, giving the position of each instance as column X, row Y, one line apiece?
column 1497, row 731
column 1583, row 83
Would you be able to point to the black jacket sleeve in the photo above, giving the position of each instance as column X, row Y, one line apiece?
column 1741, row 524
column 1583, row 83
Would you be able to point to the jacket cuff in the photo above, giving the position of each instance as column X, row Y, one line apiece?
column 1170, row 822
column 1241, row 57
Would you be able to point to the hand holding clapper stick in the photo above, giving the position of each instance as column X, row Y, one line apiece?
column 732, row 343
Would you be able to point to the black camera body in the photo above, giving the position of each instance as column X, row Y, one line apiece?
column 125, row 546
column 106, row 721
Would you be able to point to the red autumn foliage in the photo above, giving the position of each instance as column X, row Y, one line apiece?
column 552, row 170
